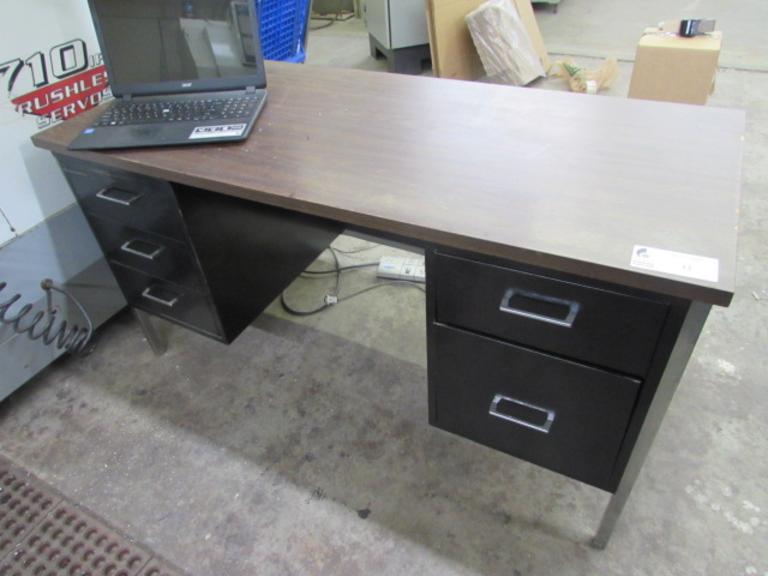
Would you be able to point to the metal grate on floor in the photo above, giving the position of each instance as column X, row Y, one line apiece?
column 42, row 534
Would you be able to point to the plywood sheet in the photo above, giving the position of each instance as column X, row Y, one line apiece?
column 452, row 47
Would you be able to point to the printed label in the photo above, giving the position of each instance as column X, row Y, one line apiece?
column 217, row 131
column 677, row 263
column 55, row 84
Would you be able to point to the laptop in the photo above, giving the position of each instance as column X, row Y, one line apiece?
column 181, row 72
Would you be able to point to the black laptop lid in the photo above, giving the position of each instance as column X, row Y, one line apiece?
column 176, row 46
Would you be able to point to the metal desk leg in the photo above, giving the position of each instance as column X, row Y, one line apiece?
column 678, row 360
column 158, row 344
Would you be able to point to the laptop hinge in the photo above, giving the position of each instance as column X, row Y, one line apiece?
column 250, row 89
column 126, row 97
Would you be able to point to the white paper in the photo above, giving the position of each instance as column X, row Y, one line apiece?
column 677, row 263
column 217, row 131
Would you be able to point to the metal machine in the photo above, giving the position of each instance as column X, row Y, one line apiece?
column 397, row 30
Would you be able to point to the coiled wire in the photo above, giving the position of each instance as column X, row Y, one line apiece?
column 43, row 324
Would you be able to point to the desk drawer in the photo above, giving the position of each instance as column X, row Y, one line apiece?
column 137, row 201
column 585, row 323
column 564, row 416
column 149, row 253
column 179, row 304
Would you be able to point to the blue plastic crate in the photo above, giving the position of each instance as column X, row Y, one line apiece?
column 283, row 26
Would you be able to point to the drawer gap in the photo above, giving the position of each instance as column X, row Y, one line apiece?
column 635, row 377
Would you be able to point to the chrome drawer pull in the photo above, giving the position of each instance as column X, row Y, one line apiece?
column 149, row 296
column 494, row 411
column 567, row 322
column 136, row 252
column 118, row 196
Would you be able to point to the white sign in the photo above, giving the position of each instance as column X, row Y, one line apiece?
column 50, row 70
column 677, row 263
column 217, row 131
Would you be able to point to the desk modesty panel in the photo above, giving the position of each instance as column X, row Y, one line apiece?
column 568, row 182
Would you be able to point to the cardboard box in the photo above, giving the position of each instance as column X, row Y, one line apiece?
column 453, row 51
column 675, row 69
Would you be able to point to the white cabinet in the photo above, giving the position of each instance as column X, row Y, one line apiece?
column 408, row 23
column 397, row 30
column 397, row 23
column 377, row 20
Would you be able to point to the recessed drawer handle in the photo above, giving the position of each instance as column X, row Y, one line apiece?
column 151, row 253
column 567, row 322
column 149, row 296
column 494, row 411
column 118, row 196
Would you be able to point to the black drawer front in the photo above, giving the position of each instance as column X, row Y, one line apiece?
column 137, row 201
column 149, row 253
column 178, row 304
column 589, row 324
column 564, row 416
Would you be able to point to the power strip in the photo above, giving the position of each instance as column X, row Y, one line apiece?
column 398, row 268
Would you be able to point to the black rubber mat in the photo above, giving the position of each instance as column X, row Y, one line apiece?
column 42, row 534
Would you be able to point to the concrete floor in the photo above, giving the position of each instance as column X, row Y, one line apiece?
column 303, row 448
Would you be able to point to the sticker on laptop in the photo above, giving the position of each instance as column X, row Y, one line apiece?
column 677, row 263
column 217, row 131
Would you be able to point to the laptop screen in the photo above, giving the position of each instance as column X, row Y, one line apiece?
column 157, row 41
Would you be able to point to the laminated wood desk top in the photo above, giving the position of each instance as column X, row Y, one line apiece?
column 564, row 181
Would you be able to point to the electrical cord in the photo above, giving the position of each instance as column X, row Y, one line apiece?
column 337, row 270
column 332, row 301
column 73, row 339
column 328, row 297
column 328, row 22
column 340, row 16
column 332, row 298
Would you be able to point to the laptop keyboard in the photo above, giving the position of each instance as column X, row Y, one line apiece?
column 123, row 113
